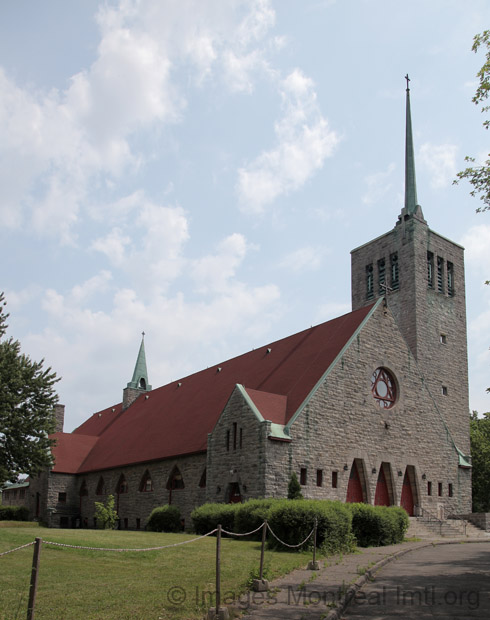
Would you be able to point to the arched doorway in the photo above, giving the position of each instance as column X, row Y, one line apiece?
column 384, row 495
column 356, row 489
column 409, row 496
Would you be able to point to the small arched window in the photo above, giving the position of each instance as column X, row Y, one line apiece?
column 84, row 489
column 202, row 481
column 122, row 485
column 175, row 480
column 146, row 484
column 100, row 487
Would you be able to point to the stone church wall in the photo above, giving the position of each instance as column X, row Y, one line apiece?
column 342, row 422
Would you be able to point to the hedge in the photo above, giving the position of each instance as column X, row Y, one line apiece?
column 208, row 516
column 14, row 513
column 165, row 519
column 293, row 520
column 251, row 514
column 376, row 526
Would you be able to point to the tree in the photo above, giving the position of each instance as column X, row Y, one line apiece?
column 479, row 176
column 480, row 459
column 106, row 513
column 27, row 400
column 294, row 488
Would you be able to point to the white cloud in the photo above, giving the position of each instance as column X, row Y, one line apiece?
column 378, row 185
column 303, row 141
column 476, row 242
column 440, row 162
column 213, row 273
column 332, row 310
column 303, row 259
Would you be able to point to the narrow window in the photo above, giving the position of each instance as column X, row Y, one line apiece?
column 95, row 522
column 430, row 269
column 395, row 274
column 439, row 489
column 302, row 476
column 382, row 276
column 146, row 484
column 100, row 487
column 241, row 437
column 369, row 282
column 440, row 269
column 319, row 477
column 443, row 390
column 234, row 435
column 429, row 487
column 138, row 523
column 122, row 485
column 84, row 489
column 450, row 279
column 443, row 339
column 202, row 481
column 126, row 523
column 62, row 498
column 450, row 489
column 334, row 480
column 227, row 441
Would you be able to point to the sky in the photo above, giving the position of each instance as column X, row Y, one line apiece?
column 200, row 170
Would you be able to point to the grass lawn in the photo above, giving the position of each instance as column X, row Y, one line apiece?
column 169, row 584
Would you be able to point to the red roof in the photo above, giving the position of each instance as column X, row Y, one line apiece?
column 175, row 419
column 70, row 451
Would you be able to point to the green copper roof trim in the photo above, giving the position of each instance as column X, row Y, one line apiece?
column 332, row 365
column 140, row 374
column 410, row 184
column 277, row 430
column 463, row 459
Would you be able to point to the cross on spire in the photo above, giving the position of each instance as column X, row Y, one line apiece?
column 408, row 80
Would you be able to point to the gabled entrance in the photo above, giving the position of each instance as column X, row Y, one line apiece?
column 384, row 495
column 409, row 496
column 356, row 489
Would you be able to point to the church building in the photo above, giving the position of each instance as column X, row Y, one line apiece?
column 369, row 407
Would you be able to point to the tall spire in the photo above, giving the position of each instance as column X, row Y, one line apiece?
column 410, row 184
column 140, row 374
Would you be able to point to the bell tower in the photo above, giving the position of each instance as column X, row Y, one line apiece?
column 139, row 382
column 421, row 275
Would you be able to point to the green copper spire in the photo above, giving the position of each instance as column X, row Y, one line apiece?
column 140, row 374
column 410, row 185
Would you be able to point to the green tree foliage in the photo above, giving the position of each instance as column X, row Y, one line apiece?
column 480, row 458
column 479, row 176
column 106, row 514
column 27, row 400
column 294, row 488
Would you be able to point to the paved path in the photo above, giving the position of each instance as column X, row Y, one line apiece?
column 322, row 594
column 443, row 581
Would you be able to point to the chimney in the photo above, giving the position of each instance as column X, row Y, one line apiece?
column 59, row 414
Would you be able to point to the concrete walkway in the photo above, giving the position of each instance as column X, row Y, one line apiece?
column 325, row 594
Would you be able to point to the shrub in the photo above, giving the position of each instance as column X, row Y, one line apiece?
column 294, row 488
column 106, row 514
column 165, row 519
column 208, row 516
column 292, row 521
column 14, row 513
column 251, row 514
column 376, row 526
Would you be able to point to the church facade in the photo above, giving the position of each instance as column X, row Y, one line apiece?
column 369, row 407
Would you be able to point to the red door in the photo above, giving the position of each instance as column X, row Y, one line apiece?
column 354, row 489
column 381, row 497
column 407, row 495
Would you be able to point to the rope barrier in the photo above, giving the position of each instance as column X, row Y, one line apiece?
column 185, row 542
column 247, row 534
column 17, row 548
column 286, row 544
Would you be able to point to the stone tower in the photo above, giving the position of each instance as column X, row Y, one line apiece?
column 139, row 382
column 421, row 273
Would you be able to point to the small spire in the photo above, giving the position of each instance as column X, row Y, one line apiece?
column 410, row 184
column 140, row 374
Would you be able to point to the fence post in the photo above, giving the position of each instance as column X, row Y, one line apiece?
column 261, row 584
column 313, row 564
column 34, row 575
column 218, row 613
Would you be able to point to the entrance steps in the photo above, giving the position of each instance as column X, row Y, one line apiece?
column 422, row 527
